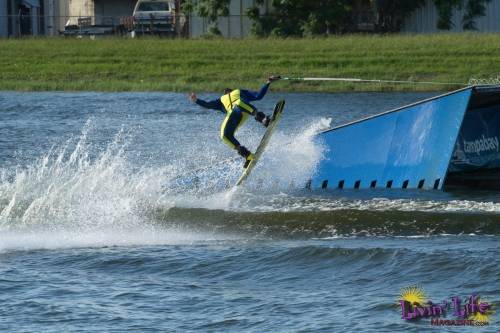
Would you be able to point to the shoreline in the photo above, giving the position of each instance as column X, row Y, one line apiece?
column 205, row 65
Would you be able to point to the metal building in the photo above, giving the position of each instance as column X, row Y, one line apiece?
column 32, row 17
column 424, row 20
column 3, row 19
column 20, row 18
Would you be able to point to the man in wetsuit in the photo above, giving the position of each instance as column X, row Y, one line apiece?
column 235, row 103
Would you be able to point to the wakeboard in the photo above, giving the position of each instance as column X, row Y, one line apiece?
column 275, row 118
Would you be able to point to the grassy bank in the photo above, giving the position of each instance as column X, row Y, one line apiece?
column 210, row 65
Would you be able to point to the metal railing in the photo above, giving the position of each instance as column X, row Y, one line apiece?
column 234, row 26
column 14, row 26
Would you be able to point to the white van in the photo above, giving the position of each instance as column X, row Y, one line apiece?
column 154, row 17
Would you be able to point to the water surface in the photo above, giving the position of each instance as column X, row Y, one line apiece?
column 101, row 231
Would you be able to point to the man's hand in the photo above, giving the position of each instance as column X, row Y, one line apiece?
column 273, row 78
column 192, row 97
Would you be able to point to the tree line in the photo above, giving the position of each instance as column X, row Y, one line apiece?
column 323, row 17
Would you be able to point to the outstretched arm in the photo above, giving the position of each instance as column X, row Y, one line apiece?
column 255, row 96
column 251, row 96
column 215, row 104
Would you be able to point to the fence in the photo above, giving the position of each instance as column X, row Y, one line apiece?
column 13, row 26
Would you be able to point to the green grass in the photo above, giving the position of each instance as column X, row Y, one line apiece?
column 210, row 65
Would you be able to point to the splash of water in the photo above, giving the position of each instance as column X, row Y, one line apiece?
column 69, row 188
column 289, row 160
column 82, row 194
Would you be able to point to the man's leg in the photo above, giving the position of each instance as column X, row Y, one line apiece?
column 229, row 126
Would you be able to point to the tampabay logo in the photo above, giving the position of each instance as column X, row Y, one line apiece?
column 483, row 144
column 414, row 305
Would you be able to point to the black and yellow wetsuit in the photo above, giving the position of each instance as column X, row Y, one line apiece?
column 237, row 108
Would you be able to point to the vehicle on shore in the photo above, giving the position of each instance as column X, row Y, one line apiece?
column 154, row 17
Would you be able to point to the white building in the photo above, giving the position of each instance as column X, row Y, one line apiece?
column 49, row 17
column 101, row 11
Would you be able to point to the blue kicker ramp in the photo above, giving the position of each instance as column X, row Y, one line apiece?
column 409, row 147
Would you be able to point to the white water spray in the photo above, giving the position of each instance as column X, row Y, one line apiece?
column 79, row 194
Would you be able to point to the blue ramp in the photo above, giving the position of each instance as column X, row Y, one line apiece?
column 409, row 147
